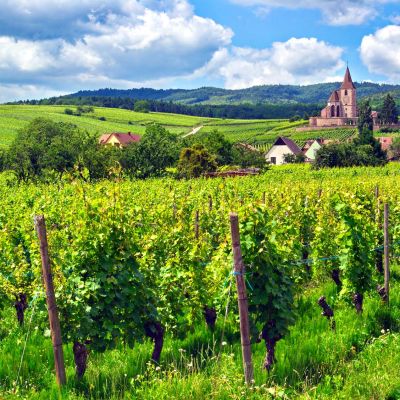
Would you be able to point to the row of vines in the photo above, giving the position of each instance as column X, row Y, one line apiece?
column 134, row 260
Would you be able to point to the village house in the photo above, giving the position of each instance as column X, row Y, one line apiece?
column 311, row 147
column 118, row 139
column 281, row 147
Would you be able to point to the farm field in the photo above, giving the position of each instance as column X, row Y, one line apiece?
column 258, row 132
column 126, row 254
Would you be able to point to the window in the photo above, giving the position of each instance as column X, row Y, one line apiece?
column 345, row 92
column 332, row 111
column 273, row 160
column 338, row 111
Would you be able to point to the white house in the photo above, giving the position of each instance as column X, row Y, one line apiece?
column 280, row 148
column 311, row 147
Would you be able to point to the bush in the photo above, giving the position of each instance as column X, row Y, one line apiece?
column 346, row 155
column 102, row 119
column 195, row 161
column 68, row 111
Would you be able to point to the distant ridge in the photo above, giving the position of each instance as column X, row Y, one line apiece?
column 272, row 94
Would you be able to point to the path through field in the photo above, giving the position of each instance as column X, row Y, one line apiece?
column 193, row 131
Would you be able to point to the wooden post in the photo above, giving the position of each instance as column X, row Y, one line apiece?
column 242, row 299
column 196, row 225
column 210, row 202
column 174, row 210
column 55, row 329
column 376, row 191
column 386, row 245
column 264, row 199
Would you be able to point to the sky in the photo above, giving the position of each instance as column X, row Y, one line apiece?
column 54, row 47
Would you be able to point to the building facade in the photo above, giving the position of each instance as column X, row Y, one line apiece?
column 341, row 109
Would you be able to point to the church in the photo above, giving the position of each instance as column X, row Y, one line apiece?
column 342, row 106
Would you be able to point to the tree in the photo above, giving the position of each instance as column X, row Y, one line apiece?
column 366, row 137
column 44, row 145
column 216, row 143
column 365, row 120
column 389, row 114
column 395, row 148
column 247, row 157
column 347, row 155
column 142, row 106
column 294, row 158
column 156, row 151
column 194, row 161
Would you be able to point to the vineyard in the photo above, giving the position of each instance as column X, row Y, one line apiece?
column 261, row 133
column 143, row 271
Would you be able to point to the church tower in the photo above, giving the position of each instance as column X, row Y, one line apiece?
column 348, row 97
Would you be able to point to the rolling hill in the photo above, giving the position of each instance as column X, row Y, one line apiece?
column 257, row 132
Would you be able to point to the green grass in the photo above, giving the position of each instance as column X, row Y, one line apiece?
column 258, row 132
column 357, row 361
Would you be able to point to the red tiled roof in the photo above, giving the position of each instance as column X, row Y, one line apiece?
column 123, row 138
column 347, row 82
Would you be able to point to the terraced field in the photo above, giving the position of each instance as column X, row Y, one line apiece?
column 261, row 133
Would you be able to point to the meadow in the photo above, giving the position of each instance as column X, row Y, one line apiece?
column 294, row 220
column 258, row 132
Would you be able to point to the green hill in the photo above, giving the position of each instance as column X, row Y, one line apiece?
column 271, row 94
column 257, row 132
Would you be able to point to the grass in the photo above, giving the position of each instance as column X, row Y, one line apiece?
column 259, row 132
column 357, row 361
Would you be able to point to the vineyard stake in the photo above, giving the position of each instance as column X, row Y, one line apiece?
column 210, row 203
column 376, row 191
column 386, row 245
column 196, row 225
column 242, row 299
column 55, row 329
column 264, row 199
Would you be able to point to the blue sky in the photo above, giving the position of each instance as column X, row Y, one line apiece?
column 51, row 47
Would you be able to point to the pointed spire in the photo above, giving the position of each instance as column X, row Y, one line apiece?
column 347, row 82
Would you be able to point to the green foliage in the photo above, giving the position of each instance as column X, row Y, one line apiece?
column 395, row 148
column 157, row 150
column 348, row 155
column 365, row 121
column 294, row 158
column 389, row 114
column 195, row 161
column 271, row 292
column 141, row 106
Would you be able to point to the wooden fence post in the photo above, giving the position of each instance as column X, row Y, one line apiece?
column 197, row 225
column 55, row 329
column 242, row 299
column 386, row 244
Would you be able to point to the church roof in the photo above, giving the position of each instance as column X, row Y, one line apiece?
column 334, row 97
column 347, row 82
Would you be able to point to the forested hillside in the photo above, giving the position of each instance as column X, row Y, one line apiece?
column 272, row 94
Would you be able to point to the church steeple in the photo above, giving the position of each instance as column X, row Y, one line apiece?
column 347, row 81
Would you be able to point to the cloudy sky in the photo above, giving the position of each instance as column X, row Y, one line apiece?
column 51, row 47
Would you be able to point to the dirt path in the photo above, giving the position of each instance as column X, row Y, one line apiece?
column 193, row 131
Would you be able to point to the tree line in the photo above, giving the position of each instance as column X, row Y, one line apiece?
column 230, row 111
column 47, row 149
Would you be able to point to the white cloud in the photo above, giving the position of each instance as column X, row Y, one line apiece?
column 297, row 61
column 122, row 41
column 380, row 52
column 335, row 12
